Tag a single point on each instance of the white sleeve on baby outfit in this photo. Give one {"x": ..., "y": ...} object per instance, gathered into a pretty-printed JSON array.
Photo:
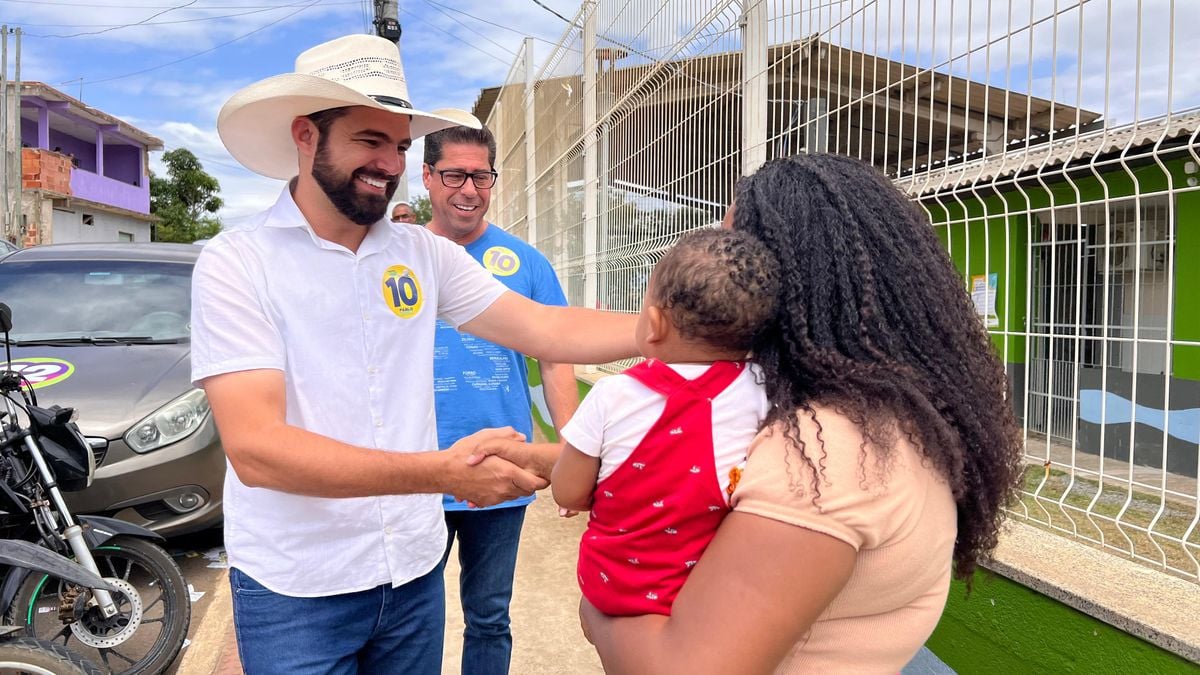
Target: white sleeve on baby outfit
[
  {"x": 615, "y": 416},
  {"x": 585, "y": 430}
]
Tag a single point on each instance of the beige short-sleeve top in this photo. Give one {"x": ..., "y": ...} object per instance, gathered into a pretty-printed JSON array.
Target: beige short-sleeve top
[{"x": 895, "y": 510}]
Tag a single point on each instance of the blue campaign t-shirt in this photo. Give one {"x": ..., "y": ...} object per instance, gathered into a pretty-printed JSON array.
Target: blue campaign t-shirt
[{"x": 478, "y": 384}]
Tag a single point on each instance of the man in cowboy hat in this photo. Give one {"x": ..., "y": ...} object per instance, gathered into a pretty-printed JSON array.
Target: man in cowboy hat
[{"x": 313, "y": 331}]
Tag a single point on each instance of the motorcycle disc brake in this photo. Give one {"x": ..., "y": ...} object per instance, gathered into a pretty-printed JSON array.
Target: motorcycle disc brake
[
  {"x": 96, "y": 631},
  {"x": 73, "y": 603}
]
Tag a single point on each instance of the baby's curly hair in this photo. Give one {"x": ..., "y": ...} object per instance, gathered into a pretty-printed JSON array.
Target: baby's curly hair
[{"x": 719, "y": 287}]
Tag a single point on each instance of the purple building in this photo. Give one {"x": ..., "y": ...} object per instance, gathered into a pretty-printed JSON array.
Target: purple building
[{"x": 85, "y": 174}]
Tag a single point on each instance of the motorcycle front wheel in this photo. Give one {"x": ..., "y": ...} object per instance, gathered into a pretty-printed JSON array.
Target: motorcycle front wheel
[
  {"x": 147, "y": 632},
  {"x": 38, "y": 657}
]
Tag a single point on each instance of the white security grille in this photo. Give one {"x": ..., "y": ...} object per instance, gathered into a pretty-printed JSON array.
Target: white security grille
[{"x": 1053, "y": 144}]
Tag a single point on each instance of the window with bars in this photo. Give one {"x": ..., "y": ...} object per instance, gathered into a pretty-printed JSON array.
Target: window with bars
[{"x": 1102, "y": 277}]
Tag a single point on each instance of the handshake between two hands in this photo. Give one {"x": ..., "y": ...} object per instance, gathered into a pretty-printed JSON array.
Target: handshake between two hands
[{"x": 493, "y": 466}]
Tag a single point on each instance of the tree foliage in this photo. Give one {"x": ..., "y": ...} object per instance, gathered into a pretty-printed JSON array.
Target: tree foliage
[
  {"x": 423, "y": 209},
  {"x": 186, "y": 199}
]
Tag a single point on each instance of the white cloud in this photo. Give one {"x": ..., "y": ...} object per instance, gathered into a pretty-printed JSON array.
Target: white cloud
[
  {"x": 447, "y": 57},
  {"x": 1069, "y": 41},
  {"x": 447, "y": 64},
  {"x": 243, "y": 191},
  {"x": 184, "y": 29},
  {"x": 180, "y": 104},
  {"x": 199, "y": 98},
  {"x": 37, "y": 62},
  {"x": 441, "y": 68},
  {"x": 416, "y": 154}
]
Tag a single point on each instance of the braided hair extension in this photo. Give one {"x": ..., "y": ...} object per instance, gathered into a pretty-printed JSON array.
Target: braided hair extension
[{"x": 875, "y": 323}]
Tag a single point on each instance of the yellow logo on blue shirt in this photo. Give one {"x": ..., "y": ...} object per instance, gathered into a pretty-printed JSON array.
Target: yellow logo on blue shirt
[
  {"x": 402, "y": 291},
  {"x": 501, "y": 261}
]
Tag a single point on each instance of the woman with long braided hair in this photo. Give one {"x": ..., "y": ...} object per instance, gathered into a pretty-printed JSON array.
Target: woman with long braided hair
[{"x": 885, "y": 462}]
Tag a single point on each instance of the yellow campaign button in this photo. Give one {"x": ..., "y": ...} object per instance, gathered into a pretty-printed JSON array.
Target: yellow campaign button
[
  {"x": 501, "y": 261},
  {"x": 402, "y": 291}
]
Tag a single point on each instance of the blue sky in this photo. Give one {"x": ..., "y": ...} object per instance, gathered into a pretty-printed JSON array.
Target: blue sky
[
  {"x": 170, "y": 73},
  {"x": 223, "y": 45}
]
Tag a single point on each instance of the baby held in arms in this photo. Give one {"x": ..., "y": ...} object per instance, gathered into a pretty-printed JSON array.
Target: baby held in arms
[{"x": 655, "y": 452}]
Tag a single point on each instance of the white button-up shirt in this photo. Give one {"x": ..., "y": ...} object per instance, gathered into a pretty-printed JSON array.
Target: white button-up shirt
[{"x": 353, "y": 333}]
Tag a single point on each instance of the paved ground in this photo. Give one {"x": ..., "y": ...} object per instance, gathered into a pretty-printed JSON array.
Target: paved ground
[
  {"x": 201, "y": 557},
  {"x": 546, "y": 633},
  {"x": 545, "y": 610}
]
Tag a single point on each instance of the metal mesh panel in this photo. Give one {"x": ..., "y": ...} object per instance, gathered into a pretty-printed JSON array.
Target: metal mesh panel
[
  {"x": 507, "y": 122},
  {"x": 1052, "y": 143}
]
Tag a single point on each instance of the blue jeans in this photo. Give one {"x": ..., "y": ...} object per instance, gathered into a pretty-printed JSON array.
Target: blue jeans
[
  {"x": 487, "y": 553},
  {"x": 381, "y": 630}
]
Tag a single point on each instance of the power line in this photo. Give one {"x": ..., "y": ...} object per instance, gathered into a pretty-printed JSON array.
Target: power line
[
  {"x": 111, "y": 26},
  {"x": 92, "y": 5},
  {"x": 224, "y": 164},
  {"x": 539, "y": 4},
  {"x": 490, "y": 23},
  {"x": 448, "y": 16},
  {"x": 200, "y": 53},
  {"x": 422, "y": 19},
  {"x": 152, "y": 16},
  {"x": 633, "y": 50}
]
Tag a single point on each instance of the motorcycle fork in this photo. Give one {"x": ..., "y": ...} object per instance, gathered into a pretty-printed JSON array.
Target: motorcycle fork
[{"x": 73, "y": 534}]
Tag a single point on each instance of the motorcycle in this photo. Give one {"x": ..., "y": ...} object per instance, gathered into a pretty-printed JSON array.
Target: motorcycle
[
  {"x": 135, "y": 624},
  {"x": 22, "y": 654}
]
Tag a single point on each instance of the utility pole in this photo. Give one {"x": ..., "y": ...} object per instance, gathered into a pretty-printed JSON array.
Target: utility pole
[
  {"x": 387, "y": 25},
  {"x": 4, "y": 147},
  {"x": 10, "y": 130},
  {"x": 755, "y": 81},
  {"x": 387, "y": 19}
]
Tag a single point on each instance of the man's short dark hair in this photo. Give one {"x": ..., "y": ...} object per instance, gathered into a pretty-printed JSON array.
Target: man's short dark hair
[
  {"x": 720, "y": 287},
  {"x": 462, "y": 135},
  {"x": 323, "y": 119}
]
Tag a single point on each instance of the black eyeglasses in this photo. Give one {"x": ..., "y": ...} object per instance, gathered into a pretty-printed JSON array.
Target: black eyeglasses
[{"x": 453, "y": 178}]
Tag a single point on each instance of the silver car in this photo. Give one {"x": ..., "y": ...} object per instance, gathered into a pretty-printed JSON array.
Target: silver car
[{"x": 105, "y": 328}]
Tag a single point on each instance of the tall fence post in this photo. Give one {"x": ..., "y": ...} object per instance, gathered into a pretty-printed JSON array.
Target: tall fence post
[
  {"x": 13, "y": 134},
  {"x": 5, "y": 150},
  {"x": 591, "y": 201},
  {"x": 531, "y": 172},
  {"x": 754, "y": 85}
]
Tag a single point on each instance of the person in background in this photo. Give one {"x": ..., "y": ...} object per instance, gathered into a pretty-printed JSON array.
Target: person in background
[
  {"x": 479, "y": 384},
  {"x": 403, "y": 212}
]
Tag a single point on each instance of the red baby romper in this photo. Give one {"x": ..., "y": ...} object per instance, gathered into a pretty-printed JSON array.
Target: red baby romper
[{"x": 653, "y": 517}]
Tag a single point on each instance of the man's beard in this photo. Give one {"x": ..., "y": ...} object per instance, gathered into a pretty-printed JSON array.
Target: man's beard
[{"x": 362, "y": 209}]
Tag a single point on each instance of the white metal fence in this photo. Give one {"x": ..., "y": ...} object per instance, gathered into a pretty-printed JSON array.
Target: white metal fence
[{"x": 1053, "y": 144}]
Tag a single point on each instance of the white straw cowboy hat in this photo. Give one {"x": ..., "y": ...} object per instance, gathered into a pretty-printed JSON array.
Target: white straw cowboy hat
[{"x": 255, "y": 123}]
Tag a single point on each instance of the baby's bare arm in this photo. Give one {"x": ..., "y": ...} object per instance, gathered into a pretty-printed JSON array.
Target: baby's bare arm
[{"x": 574, "y": 479}]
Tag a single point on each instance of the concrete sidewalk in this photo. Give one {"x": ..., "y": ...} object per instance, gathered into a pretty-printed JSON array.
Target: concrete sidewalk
[{"x": 545, "y": 620}]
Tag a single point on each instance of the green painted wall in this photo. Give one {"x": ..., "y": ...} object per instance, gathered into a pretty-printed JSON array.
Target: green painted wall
[
  {"x": 987, "y": 244},
  {"x": 1004, "y": 627},
  {"x": 966, "y": 226},
  {"x": 535, "y": 380},
  {"x": 1186, "y": 360}
]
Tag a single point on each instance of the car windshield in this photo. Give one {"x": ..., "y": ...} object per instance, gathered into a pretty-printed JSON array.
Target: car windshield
[{"x": 95, "y": 300}]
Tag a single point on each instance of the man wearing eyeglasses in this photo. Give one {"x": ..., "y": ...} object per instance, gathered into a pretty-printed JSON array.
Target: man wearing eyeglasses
[{"x": 479, "y": 384}]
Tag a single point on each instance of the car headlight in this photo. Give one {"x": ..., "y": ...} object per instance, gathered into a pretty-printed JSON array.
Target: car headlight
[{"x": 172, "y": 422}]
